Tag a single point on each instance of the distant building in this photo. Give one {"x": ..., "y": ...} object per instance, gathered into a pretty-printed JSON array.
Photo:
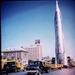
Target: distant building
[
  {"x": 47, "y": 58},
  {"x": 34, "y": 52},
  {"x": 18, "y": 54}
]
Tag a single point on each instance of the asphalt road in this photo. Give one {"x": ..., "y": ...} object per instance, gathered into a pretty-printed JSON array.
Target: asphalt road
[{"x": 70, "y": 71}]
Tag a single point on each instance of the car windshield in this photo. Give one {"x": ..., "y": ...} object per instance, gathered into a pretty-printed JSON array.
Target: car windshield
[{"x": 35, "y": 63}]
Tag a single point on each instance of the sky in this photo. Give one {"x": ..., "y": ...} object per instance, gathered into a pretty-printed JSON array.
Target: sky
[{"x": 22, "y": 22}]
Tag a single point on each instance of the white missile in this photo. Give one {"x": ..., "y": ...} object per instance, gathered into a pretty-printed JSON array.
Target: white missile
[{"x": 59, "y": 45}]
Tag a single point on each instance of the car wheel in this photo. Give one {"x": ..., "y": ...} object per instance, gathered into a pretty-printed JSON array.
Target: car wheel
[
  {"x": 47, "y": 70},
  {"x": 16, "y": 70},
  {"x": 7, "y": 69},
  {"x": 28, "y": 73},
  {"x": 23, "y": 70}
]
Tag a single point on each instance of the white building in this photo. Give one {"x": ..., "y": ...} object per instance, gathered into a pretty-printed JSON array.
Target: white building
[
  {"x": 18, "y": 54},
  {"x": 34, "y": 52}
]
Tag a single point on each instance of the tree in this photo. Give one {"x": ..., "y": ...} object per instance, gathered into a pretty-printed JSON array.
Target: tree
[
  {"x": 68, "y": 59},
  {"x": 53, "y": 60},
  {"x": 29, "y": 61}
]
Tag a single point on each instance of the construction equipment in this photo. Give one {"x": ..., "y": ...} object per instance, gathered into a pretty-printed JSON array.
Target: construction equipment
[
  {"x": 8, "y": 64},
  {"x": 71, "y": 63},
  {"x": 3, "y": 62},
  {"x": 52, "y": 66},
  {"x": 19, "y": 66},
  {"x": 11, "y": 65}
]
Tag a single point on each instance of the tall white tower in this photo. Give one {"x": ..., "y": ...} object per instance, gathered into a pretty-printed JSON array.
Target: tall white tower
[{"x": 59, "y": 45}]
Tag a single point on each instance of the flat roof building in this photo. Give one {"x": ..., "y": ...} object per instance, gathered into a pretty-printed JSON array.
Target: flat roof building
[
  {"x": 17, "y": 54},
  {"x": 34, "y": 52}
]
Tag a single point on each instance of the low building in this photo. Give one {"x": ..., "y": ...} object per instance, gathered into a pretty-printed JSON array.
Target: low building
[
  {"x": 47, "y": 58},
  {"x": 17, "y": 54}
]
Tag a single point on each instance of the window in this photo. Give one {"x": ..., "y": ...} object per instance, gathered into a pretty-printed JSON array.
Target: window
[
  {"x": 18, "y": 55},
  {"x": 23, "y": 61}
]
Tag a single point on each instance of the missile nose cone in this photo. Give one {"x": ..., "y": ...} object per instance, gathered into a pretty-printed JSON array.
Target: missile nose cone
[{"x": 57, "y": 8}]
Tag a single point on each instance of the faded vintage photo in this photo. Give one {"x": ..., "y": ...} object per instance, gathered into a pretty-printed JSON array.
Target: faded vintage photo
[{"x": 38, "y": 37}]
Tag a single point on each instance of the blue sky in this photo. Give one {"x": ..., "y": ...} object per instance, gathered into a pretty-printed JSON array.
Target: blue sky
[{"x": 24, "y": 21}]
